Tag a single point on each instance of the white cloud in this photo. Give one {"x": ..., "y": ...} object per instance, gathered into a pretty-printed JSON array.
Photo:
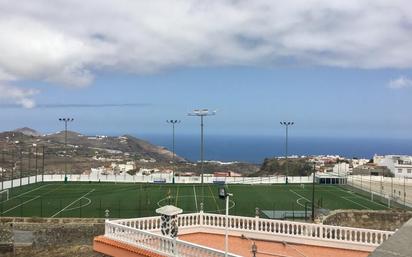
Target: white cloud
[
  {"x": 65, "y": 42},
  {"x": 21, "y": 96},
  {"x": 400, "y": 83}
]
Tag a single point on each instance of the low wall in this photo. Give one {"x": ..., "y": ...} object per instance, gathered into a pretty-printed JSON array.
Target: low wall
[
  {"x": 381, "y": 220},
  {"x": 154, "y": 178},
  {"x": 46, "y": 232}
]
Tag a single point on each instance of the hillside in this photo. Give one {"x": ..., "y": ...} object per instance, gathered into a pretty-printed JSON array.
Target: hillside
[
  {"x": 86, "y": 152},
  {"x": 277, "y": 166},
  {"x": 123, "y": 145},
  {"x": 19, "y": 149}
]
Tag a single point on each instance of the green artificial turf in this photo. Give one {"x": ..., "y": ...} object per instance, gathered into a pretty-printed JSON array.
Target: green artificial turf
[{"x": 137, "y": 200}]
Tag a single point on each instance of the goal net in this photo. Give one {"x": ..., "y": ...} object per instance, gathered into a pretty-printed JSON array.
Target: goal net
[
  {"x": 382, "y": 198},
  {"x": 4, "y": 195}
]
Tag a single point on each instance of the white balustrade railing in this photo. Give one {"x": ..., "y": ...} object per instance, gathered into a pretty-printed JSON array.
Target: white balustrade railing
[
  {"x": 299, "y": 229},
  {"x": 365, "y": 237},
  {"x": 162, "y": 245}
]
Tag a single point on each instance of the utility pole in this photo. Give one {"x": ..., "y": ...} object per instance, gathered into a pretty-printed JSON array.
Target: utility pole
[
  {"x": 173, "y": 122},
  {"x": 202, "y": 113},
  {"x": 287, "y": 124},
  {"x": 65, "y": 120}
]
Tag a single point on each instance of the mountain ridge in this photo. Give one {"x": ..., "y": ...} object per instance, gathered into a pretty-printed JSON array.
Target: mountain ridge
[{"x": 125, "y": 144}]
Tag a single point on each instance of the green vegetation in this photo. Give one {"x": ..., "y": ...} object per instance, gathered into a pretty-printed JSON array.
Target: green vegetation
[
  {"x": 136, "y": 200},
  {"x": 275, "y": 166}
]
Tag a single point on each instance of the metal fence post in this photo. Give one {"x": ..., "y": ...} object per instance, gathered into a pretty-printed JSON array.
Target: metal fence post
[
  {"x": 118, "y": 210},
  {"x": 100, "y": 207},
  {"x": 61, "y": 206},
  {"x": 21, "y": 207}
]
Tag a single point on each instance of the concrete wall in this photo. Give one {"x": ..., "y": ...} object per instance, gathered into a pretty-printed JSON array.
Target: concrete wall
[
  {"x": 381, "y": 220},
  {"x": 167, "y": 178}
]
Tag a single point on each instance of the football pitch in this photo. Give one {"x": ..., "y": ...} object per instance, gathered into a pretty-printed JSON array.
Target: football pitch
[{"x": 88, "y": 200}]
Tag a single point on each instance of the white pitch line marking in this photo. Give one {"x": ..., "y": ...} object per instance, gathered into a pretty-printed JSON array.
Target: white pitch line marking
[
  {"x": 194, "y": 191},
  {"x": 347, "y": 199},
  {"x": 25, "y": 193},
  {"x": 23, "y": 203},
  {"x": 301, "y": 196},
  {"x": 363, "y": 198},
  {"x": 82, "y": 206},
  {"x": 57, "y": 213}
]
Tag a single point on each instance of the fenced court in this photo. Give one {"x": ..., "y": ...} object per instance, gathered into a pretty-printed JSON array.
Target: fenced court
[
  {"x": 139, "y": 200},
  {"x": 389, "y": 190}
]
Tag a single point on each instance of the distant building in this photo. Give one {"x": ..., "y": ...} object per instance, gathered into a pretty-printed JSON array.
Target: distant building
[
  {"x": 341, "y": 168},
  {"x": 399, "y": 165},
  {"x": 145, "y": 171},
  {"x": 226, "y": 174},
  {"x": 358, "y": 162},
  {"x": 147, "y": 160},
  {"x": 371, "y": 169},
  {"x": 121, "y": 167},
  {"x": 186, "y": 174}
]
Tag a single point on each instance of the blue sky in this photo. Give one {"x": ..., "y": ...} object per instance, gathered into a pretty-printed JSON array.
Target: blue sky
[
  {"x": 322, "y": 101},
  {"x": 336, "y": 68}
]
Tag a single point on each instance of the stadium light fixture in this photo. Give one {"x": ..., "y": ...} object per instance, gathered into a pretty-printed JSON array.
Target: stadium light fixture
[
  {"x": 287, "y": 124},
  {"x": 65, "y": 120},
  {"x": 173, "y": 122},
  {"x": 202, "y": 113}
]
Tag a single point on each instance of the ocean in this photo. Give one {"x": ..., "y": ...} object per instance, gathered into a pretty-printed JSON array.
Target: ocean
[{"x": 255, "y": 149}]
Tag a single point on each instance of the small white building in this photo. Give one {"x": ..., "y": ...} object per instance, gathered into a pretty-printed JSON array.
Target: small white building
[
  {"x": 399, "y": 165},
  {"x": 126, "y": 167},
  {"x": 121, "y": 167},
  {"x": 341, "y": 168},
  {"x": 359, "y": 162}
]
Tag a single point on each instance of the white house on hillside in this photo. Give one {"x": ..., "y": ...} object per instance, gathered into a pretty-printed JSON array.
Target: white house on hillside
[{"x": 400, "y": 165}]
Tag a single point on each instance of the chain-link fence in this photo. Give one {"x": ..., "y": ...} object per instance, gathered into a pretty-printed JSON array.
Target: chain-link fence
[{"x": 390, "y": 191}]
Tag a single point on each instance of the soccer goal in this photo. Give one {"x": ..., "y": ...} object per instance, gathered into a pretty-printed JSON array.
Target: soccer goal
[
  {"x": 383, "y": 198},
  {"x": 4, "y": 195}
]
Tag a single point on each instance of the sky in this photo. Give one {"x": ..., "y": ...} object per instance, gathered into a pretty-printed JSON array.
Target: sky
[{"x": 336, "y": 68}]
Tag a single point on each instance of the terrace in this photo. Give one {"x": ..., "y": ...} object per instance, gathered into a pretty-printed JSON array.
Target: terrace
[{"x": 202, "y": 234}]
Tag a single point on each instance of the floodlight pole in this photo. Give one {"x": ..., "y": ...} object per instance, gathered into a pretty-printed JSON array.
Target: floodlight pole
[
  {"x": 42, "y": 164},
  {"x": 202, "y": 113},
  {"x": 173, "y": 122},
  {"x": 65, "y": 120},
  {"x": 36, "y": 164},
  {"x": 313, "y": 192},
  {"x": 2, "y": 169},
  {"x": 287, "y": 124},
  {"x": 14, "y": 165}
]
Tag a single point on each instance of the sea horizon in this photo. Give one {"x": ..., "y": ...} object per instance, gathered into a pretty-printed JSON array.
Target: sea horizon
[{"x": 255, "y": 148}]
